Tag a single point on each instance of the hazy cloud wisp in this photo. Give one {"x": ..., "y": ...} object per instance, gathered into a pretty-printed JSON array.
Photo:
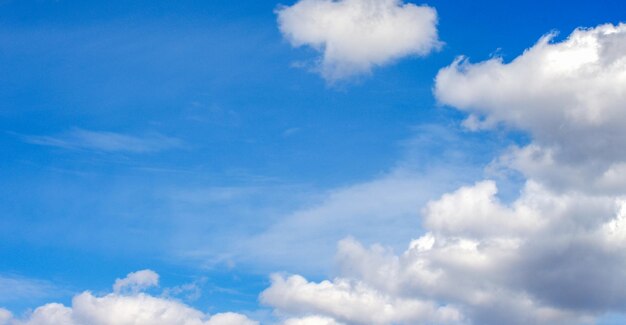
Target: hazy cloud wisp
[{"x": 105, "y": 141}]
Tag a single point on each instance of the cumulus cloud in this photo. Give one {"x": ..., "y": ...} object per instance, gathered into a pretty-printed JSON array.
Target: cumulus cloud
[
  {"x": 554, "y": 255},
  {"x": 540, "y": 267},
  {"x": 568, "y": 95},
  {"x": 129, "y": 308},
  {"x": 350, "y": 302},
  {"x": 356, "y": 35}
]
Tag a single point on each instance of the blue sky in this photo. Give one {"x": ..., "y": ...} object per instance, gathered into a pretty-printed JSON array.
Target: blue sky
[{"x": 191, "y": 138}]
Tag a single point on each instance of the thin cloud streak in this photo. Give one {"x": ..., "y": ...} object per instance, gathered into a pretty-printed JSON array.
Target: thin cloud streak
[{"x": 104, "y": 141}]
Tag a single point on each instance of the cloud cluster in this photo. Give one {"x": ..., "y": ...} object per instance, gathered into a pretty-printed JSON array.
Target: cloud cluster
[
  {"x": 568, "y": 95},
  {"x": 534, "y": 261},
  {"x": 554, "y": 255},
  {"x": 119, "y": 308},
  {"x": 356, "y": 35}
]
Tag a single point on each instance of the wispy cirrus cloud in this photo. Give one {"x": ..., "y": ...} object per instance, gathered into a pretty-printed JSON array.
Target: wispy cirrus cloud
[
  {"x": 106, "y": 141},
  {"x": 15, "y": 288}
]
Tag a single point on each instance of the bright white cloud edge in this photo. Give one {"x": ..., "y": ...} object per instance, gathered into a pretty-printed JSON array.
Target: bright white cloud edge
[
  {"x": 556, "y": 254},
  {"x": 127, "y": 305},
  {"x": 569, "y": 96},
  {"x": 353, "y": 36}
]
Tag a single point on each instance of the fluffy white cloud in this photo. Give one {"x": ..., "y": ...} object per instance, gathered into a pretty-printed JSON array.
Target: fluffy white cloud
[
  {"x": 356, "y": 35},
  {"x": 568, "y": 95},
  {"x": 118, "y": 308},
  {"x": 351, "y": 302},
  {"x": 556, "y": 254},
  {"x": 482, "y": 214},
  {"x": 542, "y": 267},
  {"x": 311, "y": 320}
]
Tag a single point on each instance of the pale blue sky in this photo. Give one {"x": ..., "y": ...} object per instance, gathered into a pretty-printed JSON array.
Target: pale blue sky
[{"x": 187, "y": 138}]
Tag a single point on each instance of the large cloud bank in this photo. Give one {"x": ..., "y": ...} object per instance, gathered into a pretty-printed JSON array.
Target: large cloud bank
[
  {"x": 568, "y": 95},
  {"x": 127, "y": 305},
  {"x": 554, "y": 255},
  {"x": 356, "y": 35}
]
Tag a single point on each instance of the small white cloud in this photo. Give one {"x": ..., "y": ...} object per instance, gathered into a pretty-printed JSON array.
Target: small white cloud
[
  {"x": 106, "y": 141},
  {"x": 136, "y": 281},
  {"x": 356, "y": 35},
  {"x": 133, "y": 308}
]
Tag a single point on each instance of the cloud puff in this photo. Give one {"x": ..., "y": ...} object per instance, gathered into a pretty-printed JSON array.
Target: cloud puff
[
  {"x": 134, "y": 308},
  {"x": 350, "y": 302},
  {"x": 136, "y": 281},
  {"x": 356, "y": 35},
  {"x": 568, "y": 95},
  {"x": 106, "y": 141}
]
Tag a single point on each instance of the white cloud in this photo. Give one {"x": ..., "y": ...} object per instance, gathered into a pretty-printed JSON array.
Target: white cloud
[
  {"x": 351, "y": 302},
  {"x": 356, "y": 35},
  {"x": 311, "y": 320},
  {"x": 482, "y": 213},
  {"x": 537, "y": 270},
  {"x": 129, "y": 308},
  {"x": 106, "y": 141},
  {"x": 136, "y": 281},
  {"x": 557, "y": 253},
  {"x": 568, "y": 95}
]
